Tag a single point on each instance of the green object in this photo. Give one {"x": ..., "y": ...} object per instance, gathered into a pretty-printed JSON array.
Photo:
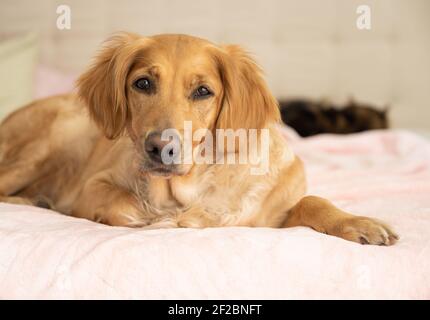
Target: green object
[{"x": 18, "y": 56}]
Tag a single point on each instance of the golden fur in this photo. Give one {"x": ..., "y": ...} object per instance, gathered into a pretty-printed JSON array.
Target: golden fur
[{"x": 52, "y": 153}]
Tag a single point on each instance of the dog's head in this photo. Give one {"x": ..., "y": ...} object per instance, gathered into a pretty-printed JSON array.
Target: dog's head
[{"x": 142, "y": 86}]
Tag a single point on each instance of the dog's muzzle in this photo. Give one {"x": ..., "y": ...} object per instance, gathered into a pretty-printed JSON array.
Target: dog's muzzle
[{"x": 163, "y": 153}]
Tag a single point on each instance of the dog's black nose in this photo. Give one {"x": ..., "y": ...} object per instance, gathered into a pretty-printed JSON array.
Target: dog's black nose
[{"x": 162, "y": 150}]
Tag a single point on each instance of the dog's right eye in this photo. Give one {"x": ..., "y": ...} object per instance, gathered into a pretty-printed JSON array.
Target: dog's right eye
[{"x": 143, "y": 84}]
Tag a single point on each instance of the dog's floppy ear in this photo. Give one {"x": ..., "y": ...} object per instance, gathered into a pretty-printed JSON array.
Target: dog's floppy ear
[
  {"x": 248, "y": 102},
  {"x": 103, "y": 86}
]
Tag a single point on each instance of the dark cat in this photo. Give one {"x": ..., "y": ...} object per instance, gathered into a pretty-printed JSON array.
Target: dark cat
[{"x": 309, "y": 117}]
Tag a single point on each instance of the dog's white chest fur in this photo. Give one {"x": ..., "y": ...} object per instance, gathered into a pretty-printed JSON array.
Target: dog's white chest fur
[
  {"x": 185, "y": 192},
  {"x": 226, "y": 198}
]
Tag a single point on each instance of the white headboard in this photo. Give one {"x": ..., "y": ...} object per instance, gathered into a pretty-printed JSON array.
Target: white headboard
[{"x": 308, "y": 48}]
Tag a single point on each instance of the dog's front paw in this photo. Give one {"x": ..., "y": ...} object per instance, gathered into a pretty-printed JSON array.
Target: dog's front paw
[{"x": 367, "y": 231}]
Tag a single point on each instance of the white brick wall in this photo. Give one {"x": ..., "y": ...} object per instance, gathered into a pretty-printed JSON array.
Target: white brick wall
[{"x": 307, "y": 47}]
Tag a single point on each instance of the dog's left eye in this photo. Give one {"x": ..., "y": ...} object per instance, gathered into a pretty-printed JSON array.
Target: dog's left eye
[
  {"x": 201, "y": 92},
  {"x": 143, "y": 84}
]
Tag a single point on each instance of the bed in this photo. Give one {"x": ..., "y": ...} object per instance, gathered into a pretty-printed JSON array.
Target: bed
[{"x": 382, "y": 174}]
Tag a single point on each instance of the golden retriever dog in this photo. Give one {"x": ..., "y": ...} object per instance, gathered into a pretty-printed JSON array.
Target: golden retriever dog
[{"x": 98, "y": 154}]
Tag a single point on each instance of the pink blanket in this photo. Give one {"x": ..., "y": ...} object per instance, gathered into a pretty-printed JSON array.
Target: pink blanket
[{"x": 380, "y": 174}]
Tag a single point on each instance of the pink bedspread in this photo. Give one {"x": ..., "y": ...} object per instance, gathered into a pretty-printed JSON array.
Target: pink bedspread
[{"x": 379, "y": 174}]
